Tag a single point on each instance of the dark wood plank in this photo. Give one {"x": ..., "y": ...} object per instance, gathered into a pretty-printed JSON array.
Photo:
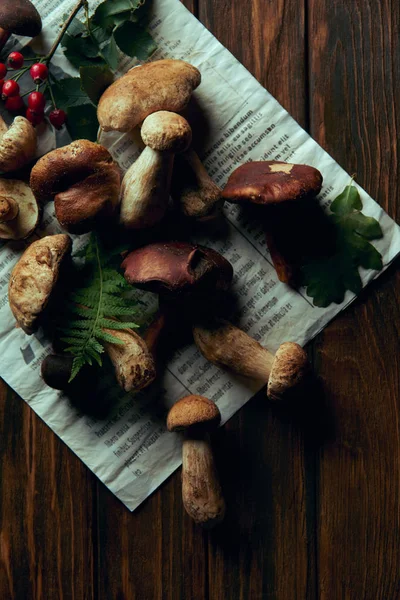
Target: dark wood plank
[
  {"x": 47, "y": 529},
  {"x": 354, "y": 107},
  {"x": 264, "y": 549}
]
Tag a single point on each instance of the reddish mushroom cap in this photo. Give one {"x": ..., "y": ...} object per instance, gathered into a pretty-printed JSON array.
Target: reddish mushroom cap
[
  {"x": 177, "y": 267},
  {"x": 20, "y": 17},
  {"x": 272, "y": 182}
]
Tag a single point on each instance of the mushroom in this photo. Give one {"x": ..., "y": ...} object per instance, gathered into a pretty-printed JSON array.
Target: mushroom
[
  {"x": 19, "y": 211},
  {"x": 17, "y": 144},
  {"x": 56, "y": 370},
  {"x": 201, "y": 490},
  {"x": 192, "y": 189},
  {"x": 157, "y": 86},
  {"x": 83, "y": 180},
  {"x": 19, "y": 17},
  {"x": 132, "y": 360},
  {"x": 225, "y": 345},
  {"x": 145, "y": 187},
  {"x": 279, "y": 188},
  {"x": 34, "y": 278}
]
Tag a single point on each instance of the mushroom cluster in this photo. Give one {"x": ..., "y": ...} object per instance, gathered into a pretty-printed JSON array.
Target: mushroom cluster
[{"x": 192, "y": 281}]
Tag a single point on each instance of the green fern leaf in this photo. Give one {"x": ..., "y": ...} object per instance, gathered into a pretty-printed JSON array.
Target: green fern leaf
[{"x": 92, "y": 305}]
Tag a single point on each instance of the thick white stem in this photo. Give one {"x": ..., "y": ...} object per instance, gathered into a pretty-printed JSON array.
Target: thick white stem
[
  {"x": 145, "y": 189},
  {"x": 201, "y": 490}
]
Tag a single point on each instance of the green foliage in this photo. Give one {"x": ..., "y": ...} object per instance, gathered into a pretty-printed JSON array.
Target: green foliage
[
  {"x": 95, "y": 303},
  {"x": 94, "y": 47},
  {"x": 327, "y": 278}
]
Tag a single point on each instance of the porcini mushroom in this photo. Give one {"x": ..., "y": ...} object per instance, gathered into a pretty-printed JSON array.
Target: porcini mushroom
[
  {"x": 83, "y": 181},
  {"x": 19, "y": 17},
  {"x": 225, "y": 345},
  {"x": 278, "y": 187},
  {"x": 19, "y": 211},
  {"x": 132, "y": 360},
  {"x": 156, "y": 86},
  {"x": 145, "y": 187},
  {"x": 17, "y": 144},
  {"x": 201, "y": 490},
  {"x": 34, "y": 278},
  {"x": 194, "y": 192}
]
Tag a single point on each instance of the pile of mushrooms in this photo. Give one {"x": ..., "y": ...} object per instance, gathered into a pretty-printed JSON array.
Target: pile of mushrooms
[{"x": 89, "y": 192}]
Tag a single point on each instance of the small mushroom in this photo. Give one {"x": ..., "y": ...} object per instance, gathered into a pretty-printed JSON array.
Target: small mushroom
[
  {"x": 156, "y": 86},
  {"x": 225, "y": 345},
  {"x": 56, "y": 370},
  {"x": 17, "y": 144},
  {"x": 279, "y": 188},
  {"x": 132, "y": 360},
  {"x": 19, "y": 17},
  {"x": 83, "y": 180},
  {"x": 201, "y": 490},
  {"x": 34, "y": 278},
  {"x": 145, "y": 187},
  {"x": 194, "y": 192},
  {"x": 19, "y": 211}
]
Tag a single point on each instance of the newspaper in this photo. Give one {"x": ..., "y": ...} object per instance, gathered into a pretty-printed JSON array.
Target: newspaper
[{"x": 130, "y": 450}]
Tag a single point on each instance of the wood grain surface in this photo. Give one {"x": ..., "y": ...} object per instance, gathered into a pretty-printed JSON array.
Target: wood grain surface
[{"x": 313, "y": 506}]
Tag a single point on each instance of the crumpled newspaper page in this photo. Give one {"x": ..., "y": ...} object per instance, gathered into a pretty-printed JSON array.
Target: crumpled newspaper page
[{"x": 130, "y": 450}]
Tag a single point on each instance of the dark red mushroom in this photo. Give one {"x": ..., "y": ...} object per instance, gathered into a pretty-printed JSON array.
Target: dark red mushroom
[
  {"x": 281, "y": 189},
  {"x": 19, "y": 17}
]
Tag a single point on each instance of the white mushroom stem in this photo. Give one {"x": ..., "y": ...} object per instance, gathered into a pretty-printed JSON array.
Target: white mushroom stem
[
  {"x": 201, "y": 490},
  {"x": 193, "y": 190},
  {"x": 9, "y": 209},
  {"x": 226, "y": 345},
  {"x": 145, "y": 189}
]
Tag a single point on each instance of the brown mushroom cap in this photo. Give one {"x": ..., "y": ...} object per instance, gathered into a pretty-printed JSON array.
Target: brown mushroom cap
[
  {"x": 84, "y": 182},
  {"x": 193, "y": 411},
  {"x": 272, "y": 182},
  {"x": 166, "y": 131},
  {"x": 19, "y": 211},
  {"x": 20, "y": 17},
  {"x": 289, "y": 370},
  {"x": 17, "y": 144},
  {"x": 34, "y": 277},
  {"x": 160, "y": 85},
  {"x": 177, "y": 267}
]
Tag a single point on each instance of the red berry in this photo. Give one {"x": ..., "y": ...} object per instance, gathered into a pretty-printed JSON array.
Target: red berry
[
  {"x": 15, "y": 60},
  {"x": 10, "y": 88},
  {"x": 57, "y": 118},
  {"x": 36, "y": 101},
  {"x": 39, "y": 72},
  {"x": 3, "y": 70},
  {"x": 34, "y": 117},
  {"x": 14, "y": 103}
]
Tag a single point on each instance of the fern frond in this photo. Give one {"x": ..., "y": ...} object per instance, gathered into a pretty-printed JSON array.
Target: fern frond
[{"x": 93, "y": 304}]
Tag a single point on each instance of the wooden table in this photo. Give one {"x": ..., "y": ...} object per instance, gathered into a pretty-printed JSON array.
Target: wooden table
[{"x": 306, "y": 519}]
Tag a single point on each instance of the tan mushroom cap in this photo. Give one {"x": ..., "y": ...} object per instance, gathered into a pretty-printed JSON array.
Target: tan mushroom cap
[
  {"x": 83, "y": 180},
  {"x": 34, "y": 277},
  {"x": 193, "y": 411},
  {"x": 19, "y": 211},
  {"x": 17, "y": 144},
  {"x": 272, "y": 182},
  {"x": 20, "y": 17},
  {"x": 289, "y": 370},
  {"x": 160, "y": 85},
  {"x": 166, "y": 131}
]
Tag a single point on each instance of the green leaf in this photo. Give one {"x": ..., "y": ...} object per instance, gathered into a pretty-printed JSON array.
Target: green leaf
[
  {"x": 134, "y": 41},
  {"x": 95, "y": 80},
  {"x": 110, "y": 53},
  {"x": 82, "y": 122},
  {"x": 107, "y": 12},
  {"x": 68, "y": 92},
  {"x": 81, "y": 51},
  {"x": 327, "y": 278}
]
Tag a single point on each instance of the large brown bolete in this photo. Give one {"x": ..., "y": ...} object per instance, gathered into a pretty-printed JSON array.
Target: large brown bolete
[
  {"x": 160, "y": 85},
  {"x": 201, "y": 490},
  {"x": 19, "y": 17},
  {"x": 83, "y": 181},
  {"x": 280, "y": 188}
]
